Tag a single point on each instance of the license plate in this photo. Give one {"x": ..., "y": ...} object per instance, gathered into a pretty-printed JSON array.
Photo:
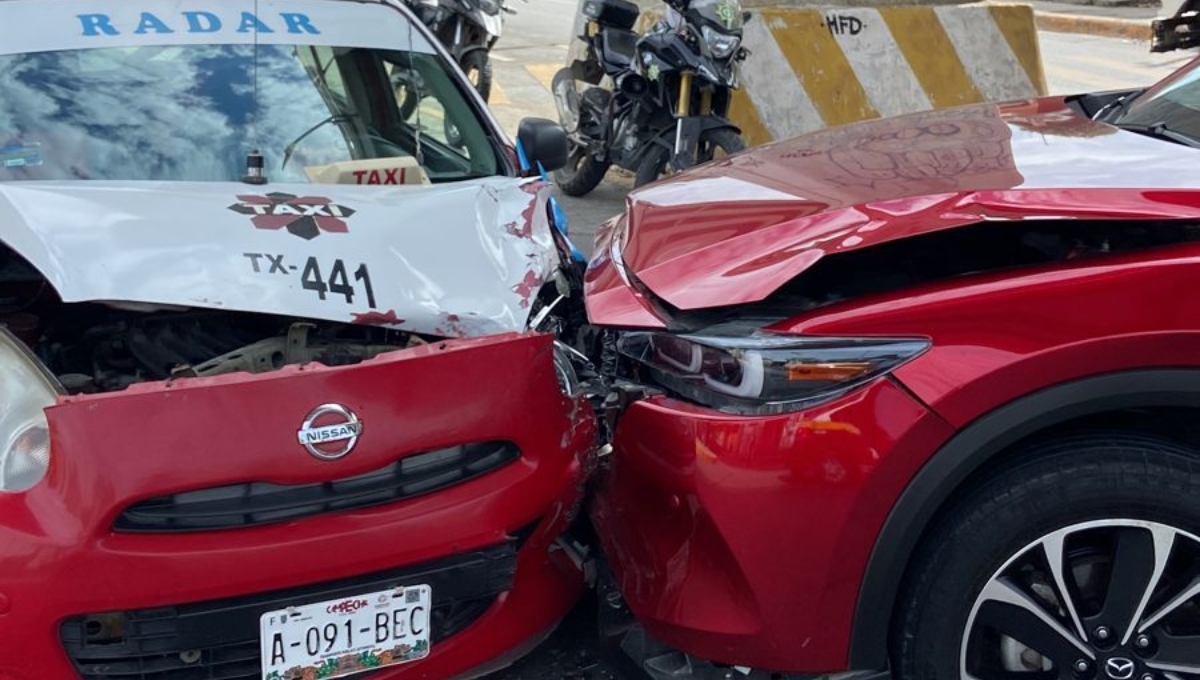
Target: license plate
[{"x": 350, "y": 635}]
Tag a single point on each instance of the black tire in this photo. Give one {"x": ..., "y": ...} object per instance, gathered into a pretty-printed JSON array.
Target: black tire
[
  {"x": 654, "y": 163},
  {"x": 453, "y": 136},
  {"x": 406, "y": 94},
  {"x": 583, "y": 171},
  {"x": 581, "y": 174},
  {"x": 976, "y": 576},
  {"x": 478, "y": 67}
]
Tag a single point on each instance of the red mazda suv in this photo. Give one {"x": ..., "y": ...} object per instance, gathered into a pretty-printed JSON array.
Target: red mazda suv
[
  {"x": 273, "y": 404},
  {"x": 919, "y": 396}
]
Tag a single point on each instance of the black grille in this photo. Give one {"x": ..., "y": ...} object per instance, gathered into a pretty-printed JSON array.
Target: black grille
[
  {"x": 258, "y": 503},
  {"x": 219, "y": 640}
]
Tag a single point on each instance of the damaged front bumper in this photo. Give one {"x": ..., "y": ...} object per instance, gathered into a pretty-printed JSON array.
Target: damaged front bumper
[
  {"x": 160, "y": 533},
  {"x": 733, "y": 539}
]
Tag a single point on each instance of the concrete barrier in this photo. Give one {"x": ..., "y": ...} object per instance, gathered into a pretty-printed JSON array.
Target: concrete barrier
[{"x": 813, "y": 68}]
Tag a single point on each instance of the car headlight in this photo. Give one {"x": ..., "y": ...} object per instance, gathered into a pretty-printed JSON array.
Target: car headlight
[
  {"x": 765, "y": 374},
  {"x": 26, "y": 389},
  {"x": 720, "y": 44}
]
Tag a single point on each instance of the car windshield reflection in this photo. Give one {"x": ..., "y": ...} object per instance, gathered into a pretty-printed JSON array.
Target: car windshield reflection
[{"x": 192, "y": 113}]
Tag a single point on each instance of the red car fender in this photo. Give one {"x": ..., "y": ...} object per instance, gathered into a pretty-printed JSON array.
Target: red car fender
[
  {"x": 1000, "y": 336},
  {"x": 1086, "y": 336}
]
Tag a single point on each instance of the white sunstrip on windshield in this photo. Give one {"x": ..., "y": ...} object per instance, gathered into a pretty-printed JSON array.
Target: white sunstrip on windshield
[{"x": 48, "y": 26}]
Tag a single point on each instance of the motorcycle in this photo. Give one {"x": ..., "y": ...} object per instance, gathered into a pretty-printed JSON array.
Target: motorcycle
[
  {"x": 469, "y": 30},
  {"x": 672, "y": 87}
]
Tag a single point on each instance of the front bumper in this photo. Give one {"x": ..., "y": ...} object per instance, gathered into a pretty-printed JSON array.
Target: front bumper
[
  {"x": 743, "y": 540},
  {"x": 64, "y": 561}
]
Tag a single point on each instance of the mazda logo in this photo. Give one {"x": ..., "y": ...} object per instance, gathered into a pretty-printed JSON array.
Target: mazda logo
[{"x": 1118, "y": 668}]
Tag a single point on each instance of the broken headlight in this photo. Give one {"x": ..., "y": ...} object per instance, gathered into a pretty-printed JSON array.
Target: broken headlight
[
  {"x": 25, "y": 391},
  {"x": 764, "y": 374}
]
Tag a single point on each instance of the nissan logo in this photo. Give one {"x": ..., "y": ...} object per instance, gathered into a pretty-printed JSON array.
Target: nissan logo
[
  {"x": 1118, "y": 668},
  {"x": 330, "y": 432}
]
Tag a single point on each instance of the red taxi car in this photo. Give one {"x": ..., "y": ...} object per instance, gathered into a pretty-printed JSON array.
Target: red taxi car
[{"x": 271, "y": 401}]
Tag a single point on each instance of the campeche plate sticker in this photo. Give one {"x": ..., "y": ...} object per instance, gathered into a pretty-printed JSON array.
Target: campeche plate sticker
[{"x": 336, "y": 638}]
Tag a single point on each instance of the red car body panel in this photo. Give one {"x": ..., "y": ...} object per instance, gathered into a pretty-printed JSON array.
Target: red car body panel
[
  {"x": 1062, "y": 323},
  {"x": 609, "y": 291},
  {"x": 115, "y": 449},
  {"x": 739, "y": 539},
  {"x": 746, "y": 539},
  {"x": 734, "y": 231}
]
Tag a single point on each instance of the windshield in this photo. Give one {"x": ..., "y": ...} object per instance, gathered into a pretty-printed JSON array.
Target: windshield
[
  {"x": 192, "y": 112},
  {"x": 1174, "y": 104},
  {"x": 723, "y": 15}
]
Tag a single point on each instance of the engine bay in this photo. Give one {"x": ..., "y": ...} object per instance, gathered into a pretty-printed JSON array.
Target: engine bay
[{"x": 97, "y": 347}]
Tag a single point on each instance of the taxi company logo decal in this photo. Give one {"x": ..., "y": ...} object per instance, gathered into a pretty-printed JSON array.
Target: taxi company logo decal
[
  {"x": 346, "y": 607},
  {"x": 304, "y": 216}
]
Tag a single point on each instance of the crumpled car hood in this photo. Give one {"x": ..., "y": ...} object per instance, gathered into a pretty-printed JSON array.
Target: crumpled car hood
[
  {"x": 734, "y": 231},
  {"x": 451, "y": 260}
]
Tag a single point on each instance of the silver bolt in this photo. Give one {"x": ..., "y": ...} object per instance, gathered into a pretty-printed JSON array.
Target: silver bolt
[
  {"x": 1103, "y": 633},
  {"x": 1148, "y": 676},
  {"x": 1142, "y": 641},
  {"x": 1082, "y": 666}
]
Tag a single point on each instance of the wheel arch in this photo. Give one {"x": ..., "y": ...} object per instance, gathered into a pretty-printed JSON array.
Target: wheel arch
[
  {"x": 967, "y": 454},
  {"x": 472, "y": 49}
]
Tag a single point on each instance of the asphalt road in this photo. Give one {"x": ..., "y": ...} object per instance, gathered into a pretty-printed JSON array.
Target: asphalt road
[{"x": 534, "y": 47}]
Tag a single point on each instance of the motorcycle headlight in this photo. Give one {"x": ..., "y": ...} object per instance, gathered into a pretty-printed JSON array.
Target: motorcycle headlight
[
  {"x": 491, "y": 7},
  {"x": 26, "y": 389},
  {"x": 720, "y": 44},
  {"x": 765, "y": 374}
]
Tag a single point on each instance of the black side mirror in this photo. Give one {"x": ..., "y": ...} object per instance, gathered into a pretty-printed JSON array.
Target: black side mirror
[
  {"x": 543, "y": 141},
  {"x": 746, "y": 15}
]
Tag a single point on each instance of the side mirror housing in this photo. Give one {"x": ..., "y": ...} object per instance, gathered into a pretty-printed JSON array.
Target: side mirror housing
[
  {"x": 746, "y": 16},
  {"x": 543, "y": 141}
]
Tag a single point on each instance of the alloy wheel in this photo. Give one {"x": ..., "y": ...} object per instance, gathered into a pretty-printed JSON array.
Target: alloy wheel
[{"x": 1104, "y": 600}]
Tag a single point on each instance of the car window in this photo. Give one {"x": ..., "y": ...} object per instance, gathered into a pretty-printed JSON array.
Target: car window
[
  {"x": 1174, "y": 103},
  {"x": 192, "y": 113}
]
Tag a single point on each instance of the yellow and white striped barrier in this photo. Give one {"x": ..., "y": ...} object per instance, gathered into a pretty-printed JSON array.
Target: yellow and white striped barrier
[{"x": 813, "y": 68}]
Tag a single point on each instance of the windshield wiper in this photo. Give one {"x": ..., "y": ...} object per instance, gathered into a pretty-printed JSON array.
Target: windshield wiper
[
  {"x": 1161, "y": 131},
  {"x": 338, "y": 118}
]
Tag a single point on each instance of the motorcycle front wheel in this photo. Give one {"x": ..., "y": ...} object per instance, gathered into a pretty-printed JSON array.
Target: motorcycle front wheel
[
  {"x": 478, "y": 67},
  {"x": 714, "y": 144},
  {"x": 582, "y": 173},
  {"x": 407, "y": 95}
]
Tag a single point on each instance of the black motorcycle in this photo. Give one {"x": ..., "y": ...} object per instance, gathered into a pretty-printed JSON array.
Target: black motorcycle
[
  {"x": 668, "y": 107},
  {"x": 469, "y": 30}
]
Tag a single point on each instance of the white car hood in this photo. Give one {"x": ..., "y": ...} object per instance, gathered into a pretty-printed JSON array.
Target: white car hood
[{"x": 451, "y": 260}]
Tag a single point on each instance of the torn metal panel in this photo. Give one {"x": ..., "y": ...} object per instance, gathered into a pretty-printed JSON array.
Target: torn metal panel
[
  {"x": 428, "y": 259},
  {"x": 770, "y": 215}
]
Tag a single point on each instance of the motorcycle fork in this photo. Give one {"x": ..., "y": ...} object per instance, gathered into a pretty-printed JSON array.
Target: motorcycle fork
[{"x": 687, "y": 127}]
